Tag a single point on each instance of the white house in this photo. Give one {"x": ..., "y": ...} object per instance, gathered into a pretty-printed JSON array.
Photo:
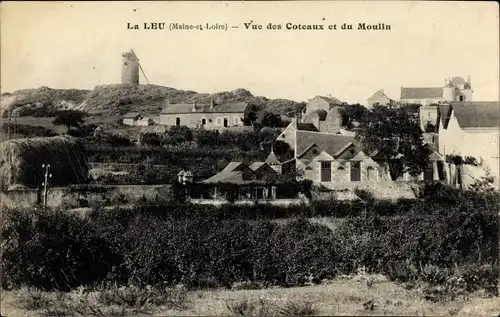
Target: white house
[{"x": 471, "y": 129}]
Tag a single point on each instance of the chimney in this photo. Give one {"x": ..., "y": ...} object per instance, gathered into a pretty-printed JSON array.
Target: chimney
[
  {"x": 194, "y": 106},
  {"x": 211, "y": 103}
]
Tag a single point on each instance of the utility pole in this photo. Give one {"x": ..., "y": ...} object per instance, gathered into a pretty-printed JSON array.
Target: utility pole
[{"x": 45, "y": 184}]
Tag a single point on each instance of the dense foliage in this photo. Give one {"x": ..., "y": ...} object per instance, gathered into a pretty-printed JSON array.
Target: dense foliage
[
  {"x": 434, "y": 240},
  {"x": 27, "y": 130},
  {"x": 396, "y": 134}
]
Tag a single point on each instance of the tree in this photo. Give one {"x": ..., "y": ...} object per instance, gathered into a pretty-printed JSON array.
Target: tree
[
  {"x": 269, "y": 119},
  {"x": 396, "y": 134},
  {"x": 69, "y": 118},
  {"x": 354, "y": 112}
]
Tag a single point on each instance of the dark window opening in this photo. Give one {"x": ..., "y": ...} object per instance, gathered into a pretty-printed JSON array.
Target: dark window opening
[
  {"x": 203, "y": 121},
  {"x": 326, "y": 171},
  {"x": 355, "y": 171},
  {"x": 177, "y": 121},
  {"x": 225, "y": 123}
]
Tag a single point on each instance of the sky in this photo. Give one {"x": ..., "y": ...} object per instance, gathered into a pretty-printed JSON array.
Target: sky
[{"x": 79, "y": 45}]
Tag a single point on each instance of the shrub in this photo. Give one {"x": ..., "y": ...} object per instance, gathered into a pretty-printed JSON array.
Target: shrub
[{"x": 52, "y": 250}]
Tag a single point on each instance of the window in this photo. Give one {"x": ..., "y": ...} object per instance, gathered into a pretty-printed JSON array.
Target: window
[
  {"x": 355, "y": 171},
  {"x": 236, "y": 120},
  {"x": 177, "y": 121},
  {"x": 226, "y": 119},
  {"x": 203, "y": 121},
  {"x": 326, "y": 171},
  {"x": 462, "y": 98}
]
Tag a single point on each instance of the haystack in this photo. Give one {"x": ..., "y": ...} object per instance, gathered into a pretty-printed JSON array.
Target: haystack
[{"x": 21, "y": 162}]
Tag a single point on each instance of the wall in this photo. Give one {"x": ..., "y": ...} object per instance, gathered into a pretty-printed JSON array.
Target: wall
[
  {"x": 333, "y": 121},
  {"x": 316, "y": 104},
  {"x": 194, "y": 119},
  {"x": 111, "y": 195},
  {"x": 288, "y": 135},
  {"x": 428, "y": 113},
  {"x": 379, "y": 98},
  {"x": 130, "y": 71},
  {"x": 129, "y": 122}
]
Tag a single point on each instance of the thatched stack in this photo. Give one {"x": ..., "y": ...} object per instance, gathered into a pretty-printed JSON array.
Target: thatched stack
[{"x": 21, "y": 162}]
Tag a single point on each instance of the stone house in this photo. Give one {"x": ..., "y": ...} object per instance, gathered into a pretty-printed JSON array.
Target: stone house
[
  {"x": 471, "y": 129},
  {"x": 208, "y": 116},
  {"x": 325, "y": 113},
  {"x": 379, "y": 98},
  {"x": 336, "y": 161},
  {"x": 455, "y": 89}
]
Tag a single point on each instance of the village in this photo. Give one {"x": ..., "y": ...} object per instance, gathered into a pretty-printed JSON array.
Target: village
[
  {"x": 176, "y": 176},
  {"x": 321, "y": 142}
]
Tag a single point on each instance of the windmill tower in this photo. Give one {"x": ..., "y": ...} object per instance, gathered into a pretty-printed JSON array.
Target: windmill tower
[{"x": 130, "y": 68}]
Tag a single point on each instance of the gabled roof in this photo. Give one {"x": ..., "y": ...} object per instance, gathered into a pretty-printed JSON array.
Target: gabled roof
[
  {"x": 183, "y": 108},
  {"x": 306, "y": 127},
  {"x": 421, "y": 92},
  {"x": 379, "y": 93},
  {"x": 256, "y": 165},
  {"x": 328, "y": 142},
  {"x": 234, "y": 166},
  {"x": 444, "y": 112},
  {"x": 272, "y": 159},
  {"x": 131, "y": 115},
  {"x": 483, "y": 114}
]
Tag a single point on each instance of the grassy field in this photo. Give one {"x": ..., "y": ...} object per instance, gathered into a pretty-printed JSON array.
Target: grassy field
[{"x": 343, "y": 296}]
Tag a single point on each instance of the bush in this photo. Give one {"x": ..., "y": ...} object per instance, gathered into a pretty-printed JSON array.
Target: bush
[{"x": 52, "y": 250}]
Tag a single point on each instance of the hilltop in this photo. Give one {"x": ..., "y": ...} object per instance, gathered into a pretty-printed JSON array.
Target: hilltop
[{"x": 121, "y": 98}]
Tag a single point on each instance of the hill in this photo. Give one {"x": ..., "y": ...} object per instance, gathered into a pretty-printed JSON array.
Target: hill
[
  {"x": 40, "y": 102},
  {"x": 121, "y": 98}
]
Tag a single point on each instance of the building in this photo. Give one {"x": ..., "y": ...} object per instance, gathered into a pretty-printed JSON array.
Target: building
[
  {"x": 455, "y": 89},
  {"x": 379, "y": 98},
  {"x": 288, "y": 135},
  {"x": 257, "y": 181},
  {"x": 136, "y": 119},
  {"x": 333, "y": 159},
  {"x": 130, "y": 68},
  {"x": 471, "y": 129},
  {"x": 325, "y": 113},
  {"x": 209, "y": 116}
]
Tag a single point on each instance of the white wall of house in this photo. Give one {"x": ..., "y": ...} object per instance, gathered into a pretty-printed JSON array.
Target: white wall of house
[{"x": 480, "y": 143}]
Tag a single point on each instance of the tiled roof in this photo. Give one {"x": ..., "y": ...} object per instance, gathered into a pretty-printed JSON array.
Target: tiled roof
[
  {"x": 330, "y": 143},
  {"x": 256, "y": 165},
  {"x": 306, "y": 127},
  {"x": 131, "y": 115},
  {"x": 181, "y": 108},
  {"x": 332, "y": 101},
  {"x": 444, "y": 111},
  {"x": 477, "y": 114},
  {"x": 421, "y": 92},
  {"x": 272, "y": 159},
  {"x": 379, "y": 93}
]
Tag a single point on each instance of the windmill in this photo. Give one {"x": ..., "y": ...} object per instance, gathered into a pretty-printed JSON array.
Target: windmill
[{"x": 131, "y": 67}]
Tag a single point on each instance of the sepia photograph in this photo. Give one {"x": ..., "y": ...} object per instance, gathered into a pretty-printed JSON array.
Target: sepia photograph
[{"x": 249, "y": 158}]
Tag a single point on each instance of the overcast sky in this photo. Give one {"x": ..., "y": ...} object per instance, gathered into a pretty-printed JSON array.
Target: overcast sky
[{"x": 79, "y": 45}]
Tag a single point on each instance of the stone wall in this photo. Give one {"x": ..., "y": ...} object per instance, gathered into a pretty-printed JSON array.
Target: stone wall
[{"x": 73, "y": 197}]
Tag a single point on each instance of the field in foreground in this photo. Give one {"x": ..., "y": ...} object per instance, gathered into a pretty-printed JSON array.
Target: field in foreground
[{"x": 343, "y": 296}]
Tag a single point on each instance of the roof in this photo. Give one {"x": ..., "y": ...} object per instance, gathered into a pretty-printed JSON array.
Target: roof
[
  {"x": 421, "y": 92},
  {"x": 306, "y": 127},
  {"x": 272, "y": 159},
  {"x": 234, "y": 107},
  {"x": 256, "y": 165},
  {"x": 328, "y": 142},
  {"x": 444, "y": 114},
  {"x": 332, "y": 101},
  {"x": 131, "y": 115},
  {"x": 483, "y": 114},
  {"x": 379, "y": 93}
]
